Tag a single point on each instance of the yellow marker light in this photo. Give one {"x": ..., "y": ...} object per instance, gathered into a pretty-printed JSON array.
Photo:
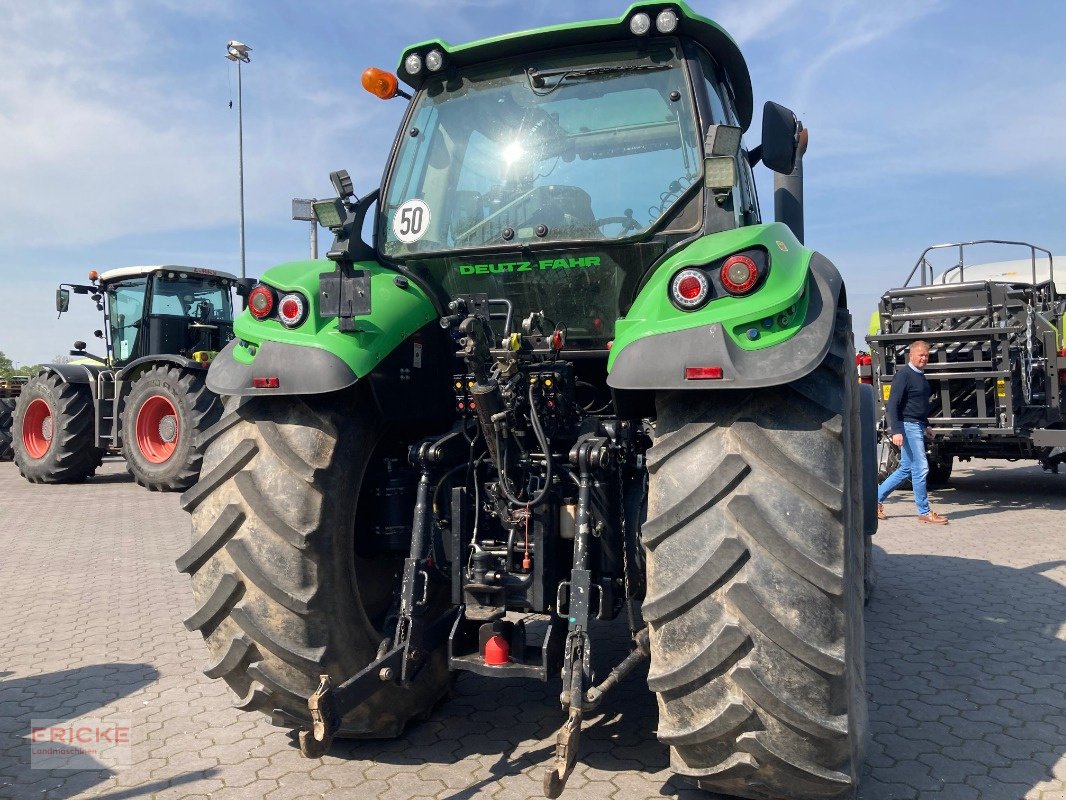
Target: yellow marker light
[
  {"x": 547, "y": 381},
  {"x": 885, "y": 390},
  {"x": 380, "y": 83},
  {"x": 1001, "y": 387}
]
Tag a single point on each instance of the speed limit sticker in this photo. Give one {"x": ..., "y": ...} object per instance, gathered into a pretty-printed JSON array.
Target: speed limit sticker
[{"x": 411, "y": 221}]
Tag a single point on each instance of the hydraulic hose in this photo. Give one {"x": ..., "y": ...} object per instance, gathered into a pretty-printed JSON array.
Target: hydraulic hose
[{"x": 545, "y": 447}]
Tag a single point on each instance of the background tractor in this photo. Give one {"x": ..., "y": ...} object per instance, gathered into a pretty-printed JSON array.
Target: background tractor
[
  {"x": 996, "y": 362},
  {"x": 147, "y": 396},
  {"x": 575, "y": 377},
  {"x": 9, "y": 390}
]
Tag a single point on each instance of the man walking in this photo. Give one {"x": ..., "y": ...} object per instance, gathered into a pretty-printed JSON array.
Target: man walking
[{"x": 908, "y": 418}]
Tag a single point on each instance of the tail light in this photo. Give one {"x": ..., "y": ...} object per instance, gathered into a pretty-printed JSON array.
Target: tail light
[
  {"x": 689, "y": 289},
  {"x": 292, "y": 309},
  {"x": 739, "y": 274},
  {"x": 261, "y": 301}
]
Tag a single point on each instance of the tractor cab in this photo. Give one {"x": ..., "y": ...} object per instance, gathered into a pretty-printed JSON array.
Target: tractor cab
[
  {"x": 156, "y": 310},
  {"x": 558, "y": 171}
]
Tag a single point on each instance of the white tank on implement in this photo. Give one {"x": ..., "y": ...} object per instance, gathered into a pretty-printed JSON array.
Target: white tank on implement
[{"x": 1017, "y": 271}]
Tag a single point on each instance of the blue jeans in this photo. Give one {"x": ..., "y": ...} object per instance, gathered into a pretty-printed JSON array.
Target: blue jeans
[{"x": 912, "y": 464}]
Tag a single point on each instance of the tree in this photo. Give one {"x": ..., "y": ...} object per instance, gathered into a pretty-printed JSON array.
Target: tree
[{"x": 7, "y": 369}]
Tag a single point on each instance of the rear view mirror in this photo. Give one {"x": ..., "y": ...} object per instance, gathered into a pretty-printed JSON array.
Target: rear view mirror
[
  {"x": 62, "y": 300},
  {"x": 780, "y": 138}
]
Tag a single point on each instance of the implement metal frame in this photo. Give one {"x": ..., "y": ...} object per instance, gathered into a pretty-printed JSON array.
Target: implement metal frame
[{"x": 994, "y": 360}]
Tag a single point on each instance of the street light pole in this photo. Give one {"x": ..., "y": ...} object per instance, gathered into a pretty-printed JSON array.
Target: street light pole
[
  {"x": 302, "y": 210},
  {"x": 237, "y": 51}
]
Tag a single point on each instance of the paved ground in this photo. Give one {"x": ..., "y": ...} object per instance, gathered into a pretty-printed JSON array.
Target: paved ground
[{"x": 966, "y": 666}]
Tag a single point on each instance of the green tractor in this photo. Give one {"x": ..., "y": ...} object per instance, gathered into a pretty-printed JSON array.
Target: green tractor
[
  {"x": 147, "y": 397},
  {"x": 574, "y": 377}
]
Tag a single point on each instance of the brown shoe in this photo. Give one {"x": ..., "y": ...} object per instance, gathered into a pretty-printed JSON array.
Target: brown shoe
[
  {"x": 933, "y": 518},
  {"x": 881, "y": 511}
]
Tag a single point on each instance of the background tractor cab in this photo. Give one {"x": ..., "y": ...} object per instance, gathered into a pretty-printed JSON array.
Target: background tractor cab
[
  {"x": 146, "y": 395},
  {"x": 181, "y": 311}
]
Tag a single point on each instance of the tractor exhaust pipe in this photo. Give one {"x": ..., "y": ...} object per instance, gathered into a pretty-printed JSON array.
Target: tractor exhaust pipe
[{"x": 788, "y": 192}]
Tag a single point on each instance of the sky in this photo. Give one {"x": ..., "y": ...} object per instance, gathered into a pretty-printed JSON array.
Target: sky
[{"x": 930, "y": 121}]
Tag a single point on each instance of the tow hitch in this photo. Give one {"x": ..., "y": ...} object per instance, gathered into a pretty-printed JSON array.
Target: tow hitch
[
  {"x": 569, "y": 738},
  {"x": 328, "y": 705}
]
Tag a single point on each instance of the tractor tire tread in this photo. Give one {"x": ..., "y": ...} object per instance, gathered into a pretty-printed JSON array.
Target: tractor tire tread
[
  {"x": 201, "y": 408},
  {"x": 73, "y": 456},
  {"x": 272, "y": 509},
  {"x": 756, "y": 654}
]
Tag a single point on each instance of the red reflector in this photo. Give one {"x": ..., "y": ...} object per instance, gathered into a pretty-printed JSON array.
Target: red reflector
[
  {"x": 689, "y": 287},
  {"x": 497, "y": 651},
  {"x": 290, "y": 309},
  {"x": 266, "y": 383},
  {"x": 703, "y": 373}
]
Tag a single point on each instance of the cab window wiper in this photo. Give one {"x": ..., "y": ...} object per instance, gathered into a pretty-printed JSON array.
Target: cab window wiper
[{"x": 538, "y": 78}]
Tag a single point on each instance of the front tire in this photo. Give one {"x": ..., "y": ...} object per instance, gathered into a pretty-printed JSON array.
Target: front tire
[
  {"x": 162, "y": 419},
  {"x": 281, "y": 594},
  {"x": 53, "y": 432},
  {"x": 755, "y": 584}
]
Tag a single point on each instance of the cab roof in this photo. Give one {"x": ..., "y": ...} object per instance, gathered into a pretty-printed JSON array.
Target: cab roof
[
  {"x": 136, "y": 272},
  {"x": 690, "y": 25}
]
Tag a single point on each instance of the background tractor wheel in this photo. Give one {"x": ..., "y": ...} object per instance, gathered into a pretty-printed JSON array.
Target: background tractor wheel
[
  {"x": 162, "y": 419},
  {"x": 7, "y": 407},
  {"x": 755, "y": 584},
  {"x": 282, "y": 595},
  {"x": 940, "y": 472},
  {"x": 52, "y": 432},
  {"x": 888, "y": 461}
]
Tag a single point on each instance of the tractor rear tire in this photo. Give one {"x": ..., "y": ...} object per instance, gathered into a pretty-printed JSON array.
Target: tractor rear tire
[
  {"x": 163, "y": 416},
  {"x": 7, "y": 408},
  {"x": 281, "y": 594},
  {"x": 53, "y": 433},
  {"x": 755, "y": 584}
]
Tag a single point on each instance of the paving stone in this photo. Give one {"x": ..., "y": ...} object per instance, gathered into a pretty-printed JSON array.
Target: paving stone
[{"x": 964, "y": 664}]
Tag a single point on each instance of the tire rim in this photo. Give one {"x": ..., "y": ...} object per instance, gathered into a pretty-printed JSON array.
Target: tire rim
[
  {"x": 37, "y": 429},
  {"x": 157, "y": 429}
]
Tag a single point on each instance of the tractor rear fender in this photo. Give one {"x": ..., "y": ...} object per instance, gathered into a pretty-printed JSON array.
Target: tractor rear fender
[
  {"x": 316, "y": 356},
  {"x": 775, "y": 335},
  {"x": 74, "y": 373}
]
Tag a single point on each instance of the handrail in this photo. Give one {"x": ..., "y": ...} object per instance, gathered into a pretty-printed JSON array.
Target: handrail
[{"x": 927, "y": 268}]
